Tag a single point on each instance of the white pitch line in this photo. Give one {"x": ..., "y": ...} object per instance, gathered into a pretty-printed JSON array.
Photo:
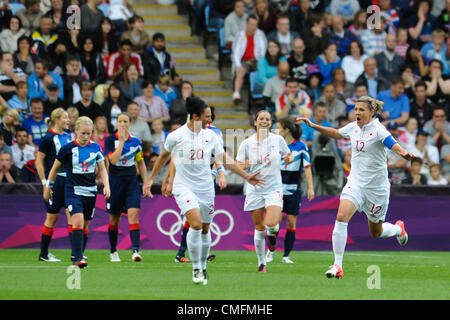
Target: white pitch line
[{"x": 371, "y": 254}]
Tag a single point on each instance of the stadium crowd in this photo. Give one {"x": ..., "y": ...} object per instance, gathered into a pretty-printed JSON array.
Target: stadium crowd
[{"x": 311, "y": 58}]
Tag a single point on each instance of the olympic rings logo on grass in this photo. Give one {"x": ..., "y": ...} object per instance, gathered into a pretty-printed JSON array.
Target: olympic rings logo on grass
[{"x": 176, "y": 227}]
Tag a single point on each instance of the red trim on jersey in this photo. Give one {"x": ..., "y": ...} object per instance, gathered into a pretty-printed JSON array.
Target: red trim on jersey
[
  {"x": 135, "y": 226},
  {"x": 53, "y": 131},
  {"x": 79, "y": 145},
  {"x": 117, "y": 136}
]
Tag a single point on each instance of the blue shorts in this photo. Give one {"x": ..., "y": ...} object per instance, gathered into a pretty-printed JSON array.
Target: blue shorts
[
  {"x": 291, "y": 203},
  {"x": 80, "y": 204},
  {"x": 57, "y": 202},
  {"x": 125, "y": 194}
]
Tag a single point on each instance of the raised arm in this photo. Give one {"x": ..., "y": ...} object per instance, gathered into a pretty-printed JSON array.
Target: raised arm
[
  {"x": 402, "y": 152},
  {"x": 330, "y": 132},
  {"x": 232, "y": 165}
]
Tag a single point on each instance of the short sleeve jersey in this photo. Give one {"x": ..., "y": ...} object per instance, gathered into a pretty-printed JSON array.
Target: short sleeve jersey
[
  {"x": 264, "y": 157},
  {"x": 369, "y": 154},
  {"x": 50, "y": 146},
  {"x": 291, "y": 174},
  {"x": 79, "y": 163},
  {"x": 192, "y": 153},
  {"x": 131, "y": 153}
]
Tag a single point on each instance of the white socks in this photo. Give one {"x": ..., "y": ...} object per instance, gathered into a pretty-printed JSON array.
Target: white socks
[
  {"x": 260, "y": 246},
  {"x": 194, "y": 244},
  {"x": 390, "y": 230},
  {"x": 206, "y": 245},
  {"x": 272, "y": 231},
  {"x": 339, "y": 241}
]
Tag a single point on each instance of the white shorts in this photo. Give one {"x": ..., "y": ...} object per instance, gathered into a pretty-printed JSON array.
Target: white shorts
[
  {"x": 373, "y": 202},
  {"x": 188, "y": 200},
  {"x": 255, "y": 201}
]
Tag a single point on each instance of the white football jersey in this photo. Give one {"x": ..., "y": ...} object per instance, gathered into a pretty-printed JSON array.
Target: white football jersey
[
  {"x": 192, "y": 157},
  {"x": 369, "y": 154},
  {"x": 265, "y": 158}
]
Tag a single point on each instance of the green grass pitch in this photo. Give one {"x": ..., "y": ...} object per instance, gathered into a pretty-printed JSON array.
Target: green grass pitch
[{"x": 232, "y": 276}]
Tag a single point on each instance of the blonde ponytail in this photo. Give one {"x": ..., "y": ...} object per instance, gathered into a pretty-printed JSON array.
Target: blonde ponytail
[
  {"x": 56, "y": 114},
  {"x": 373, "y": 103}
]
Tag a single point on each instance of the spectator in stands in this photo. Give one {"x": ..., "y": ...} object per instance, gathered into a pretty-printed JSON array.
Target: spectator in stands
[
  {"x": 35, "y": 124},
  {"x": 87, "y": 107},
  {"x": 428, "y": 153},
  {"x": 438, "y": 84},
  {"x": 315, "y": 38},
  {"x": 388, "y": 62},
  {"x": 436, "y": 178},
  {"x": 391, "y": 15},
  {"x": 268, "y": 65},
  {"x": 340, "y": 36},
  {"x": 138, "y": 127},
  {"x": 43, "y": 37},
  {"x": 409, "y": 135},
  {"x": 158, "y": 135},
  {"x": 21, "y": 150},
  {"x": 151, "y": 106},
  {"x": 445, "y": 161},
  {"x": 3, "y": 146},
  {"x": 293, "y": 102},
  {"x": 30, "y": 15},
  {"x": 138, "y": 37},
  {"x": 276, "y": 85},
  {"x": 72, "y": 81},
  {"x": 319, "y": 117},
  {"x": 165, "y": 91},
  {"x": 345, "y": 9},
  {"x": 336, "y": 107},
  {"x": 100, "y": 131},
  {"x": 40, "y": 79},
  {"x": 414, "y": 60},
  {"x": 235, "y": 23},
  {"x": 9, "y": 173},
  {"x": 283, "y": 35},
  {"x": 53, "y": 102},
  {"x": 5, "y": 15},
  {"x": 443, "y": 20},
  {"x": 421, "y": 108},
  {"x": 302, "y": 18},
  {"x": 69, "y": 42},
  {"x": 438, "y": 128},
  {"x": 315, "y": 89},
  {"x": 267, "y": 19},
  {"x": 219, "y": 9},
  {"x": 353, "y": 63},
  {"x": 24, "y": 58},
  {"x": 407, "y": 74},
  {"x": 435, "y": 49},
  {"x": 114, "y": 104},
  {"x": 73, "y": 114},
  {"x": 298, "y": 64},
  {"x": 199, "y": 12},
  {"x": 120, "y": 59},
  {"x": 359, "y": 23},
  {"x": 9, "y": 75},
  {"x": 373, "y": 39},
  {"x": 178, "y": 112},
  {"x": 9, "y": 125},
  {"x": 105, "y": 40},
  {"x": 396, "y": 103},
  {"x": 401, "y": 46},
  {"x": 119, "y": 14},
  {"x": 9, "y": 36},
  {"x": 58, "y": 16},
  {"x": 328, "y": 62},
  {"x": 414, "y": 176},
  {"x": 131, "y": 82},
  {"x": 91, "y": 16},
  {"x": 92, "y": 61},
  {"x": 374, "y": 82},
  {"x": 157, "y": 61},
  {"x": 420, "y": 24},
  {"x": 20, "y": 100},
  {"x": 396, "y": 164},
  {"x": 249, "y": 46},
  {"x": 344, "y": 89},
  {"x": 360, "y": 91}
]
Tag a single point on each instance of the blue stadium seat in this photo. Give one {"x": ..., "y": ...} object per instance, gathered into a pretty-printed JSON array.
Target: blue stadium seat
[
  {"x": 253, "y": 93},
  {"x": 208, "y": 30},
  {"x": 223, "y": 53}
]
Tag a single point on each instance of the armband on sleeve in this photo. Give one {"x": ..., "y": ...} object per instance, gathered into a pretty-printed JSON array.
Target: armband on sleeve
[{"x": 389, "y": 142}]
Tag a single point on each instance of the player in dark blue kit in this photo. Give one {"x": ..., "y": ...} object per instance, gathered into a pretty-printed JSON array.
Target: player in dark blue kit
[
  {"x": 124, "y": 153},
  {"x": 49, "y": 147},
  {"x": 80, "y": 159},
  {"x": 292, "y": 191}
]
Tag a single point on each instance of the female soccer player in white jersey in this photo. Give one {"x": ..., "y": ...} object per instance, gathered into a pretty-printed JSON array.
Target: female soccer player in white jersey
[
  {"x": 261, "y": 153},
  {"x": 191, "y": 147},
  {"x": 80, "y": 159},
  {"x": 367, "y": 187}
]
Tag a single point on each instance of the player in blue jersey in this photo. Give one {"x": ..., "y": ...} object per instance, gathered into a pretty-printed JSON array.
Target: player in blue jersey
[
  {"x": 80, "y": 159},
  {"x": 292, "y": 185},
  {"x": 124, "y": 153},
  {"x": 49, "y": 147}
]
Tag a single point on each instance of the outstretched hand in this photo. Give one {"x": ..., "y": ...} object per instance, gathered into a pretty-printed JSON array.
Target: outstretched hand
[
  {"x": 299, "y": 120},
  {"x": 254, "y": 180}
]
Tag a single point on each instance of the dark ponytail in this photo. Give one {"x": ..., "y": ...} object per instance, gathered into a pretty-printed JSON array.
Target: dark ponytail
[
  {"x": 195, "y": 106},
  {"x": 294, "y": 129}
]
